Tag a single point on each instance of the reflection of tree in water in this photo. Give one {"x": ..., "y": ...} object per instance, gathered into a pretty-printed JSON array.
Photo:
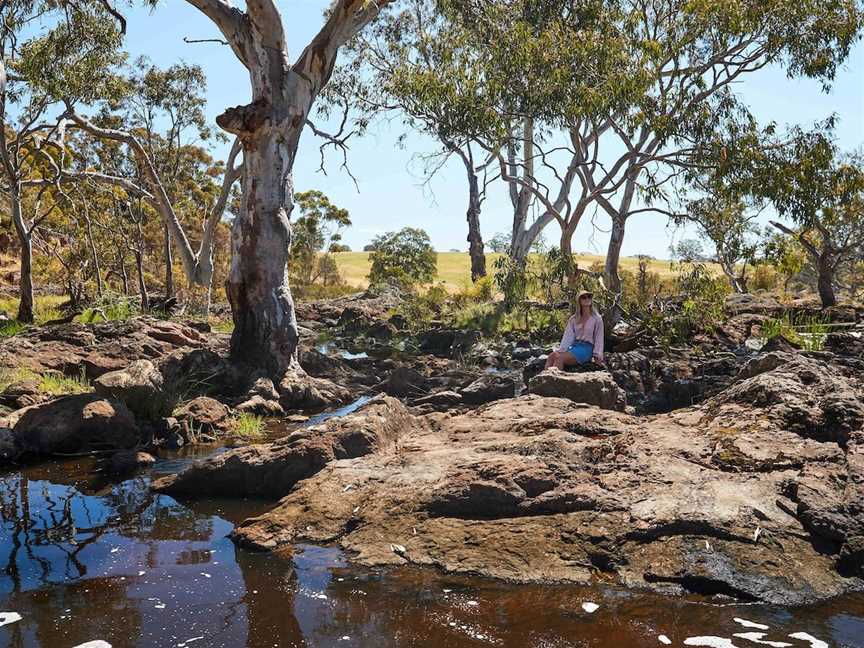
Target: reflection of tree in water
[
  {"x": 270, "y": 585},
  {"x": 47, "y": 527}
]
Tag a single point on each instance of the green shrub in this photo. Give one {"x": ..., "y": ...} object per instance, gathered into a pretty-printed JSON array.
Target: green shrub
[
  {"x": 697, "y": 308},
  {"x": 8, "y": 328},
  {"x": 57, "y": 384},
  {"x": 807, "y": 331},
  {"x": 404, "y": 258},
  {"x": 249, "y": 426},
  {"x": 111, "y": 307}
]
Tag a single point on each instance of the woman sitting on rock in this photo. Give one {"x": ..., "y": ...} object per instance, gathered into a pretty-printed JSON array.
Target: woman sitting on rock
[{"x": 583, "y": 336}]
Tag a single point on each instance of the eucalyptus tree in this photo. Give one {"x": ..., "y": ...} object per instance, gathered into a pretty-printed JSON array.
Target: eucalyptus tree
[
  {"x": 269, "y": 129},
  {"x": 417, "y": 64},
  {"x": 167, "y": 175},
  {"x": 821, "y": 190},
  {"x": 166, "y": 107},
  {"x": 671, "y": 68},
  {"x": 38, "y": 68}
]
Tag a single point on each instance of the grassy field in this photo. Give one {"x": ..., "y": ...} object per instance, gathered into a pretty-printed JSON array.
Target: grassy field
[{"x": 454, "y": 268}]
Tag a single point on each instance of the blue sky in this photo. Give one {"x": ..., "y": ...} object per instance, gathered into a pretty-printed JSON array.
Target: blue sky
[{"x": 391, "y": 192}]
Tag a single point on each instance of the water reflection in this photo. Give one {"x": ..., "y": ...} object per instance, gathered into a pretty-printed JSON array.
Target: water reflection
[{"x": 83, "y": 560}]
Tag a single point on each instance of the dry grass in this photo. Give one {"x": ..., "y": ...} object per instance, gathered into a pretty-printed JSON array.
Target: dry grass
[{"x": 454, "y": 268}]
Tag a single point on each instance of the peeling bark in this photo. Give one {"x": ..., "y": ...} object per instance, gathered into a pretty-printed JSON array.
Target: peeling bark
[{"x": 269, "y": 128}]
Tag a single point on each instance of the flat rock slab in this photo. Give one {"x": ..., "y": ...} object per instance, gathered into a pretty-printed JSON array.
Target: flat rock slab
[{"x": 756, "y": 493}]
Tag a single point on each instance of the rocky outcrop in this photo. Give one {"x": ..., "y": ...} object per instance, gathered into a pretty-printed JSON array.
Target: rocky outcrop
[
  {"x": 755, "y": 493},
  {"x": 298, "y": 390},
  {"x": 272, "y": 469},
  {"x": 590, "y": 387},
  {"x": 139, "y": 387},
  {"x": 101, "y": 347},
  {"x": 73, "y": 424}
]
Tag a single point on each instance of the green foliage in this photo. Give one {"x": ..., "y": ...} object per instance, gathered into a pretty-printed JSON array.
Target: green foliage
[
  {"x": 74, "y": 60},
  {"x": 807, "y": 331},
  {"x": 248, "y": 426},
  {"x": 111, "y": 307},
  {"x": 404, "y": 258},
  {"x": 785, "y": 255},
  {"x": 315, "y": 234},
  {"x": 8, "y": 328},
  {"x": 499, "y": 243},
  {"x": 697, "y": 308},
  {"x": 420, "y": 308},
  {"x": 58, "y": 384}
]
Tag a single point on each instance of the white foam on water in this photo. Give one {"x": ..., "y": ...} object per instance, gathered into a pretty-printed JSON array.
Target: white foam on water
[
  {"x": 665, "y": 640},
  {"x": 9, "y": 617},
  {"x": 756, "y": 637},
  {"x": 590, "y": 607},
  {"x": 750, "y": 624},
  {"x": 710, "y": 642},
  {"x": 814, "y": 642},
  {"x": 98, "y": 643}
]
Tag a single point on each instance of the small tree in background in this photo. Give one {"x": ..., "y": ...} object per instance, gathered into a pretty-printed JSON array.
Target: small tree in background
[
  {"x": 316, "y": 232},
  {"x": 404, "y": 258},
  {"x": 821, "y": 190}
]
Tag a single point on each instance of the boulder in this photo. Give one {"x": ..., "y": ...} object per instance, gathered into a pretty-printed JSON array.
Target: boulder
[
  {"x": 126, "y": 462},
  {"x": 487, "y": 388},
  {"x": 22, "y": 394},
  {"x": 405, "y": 381},
  {"x": 299, "y": 390},
  {"x": 139, "y": 387},
  {"x": 79, "y": 423},
  {"x": 437, "y": 341},
  {"x": 205, "y": 415},
  {"x": 592, "y": 388},
  {"x": 261, "y": 406}
]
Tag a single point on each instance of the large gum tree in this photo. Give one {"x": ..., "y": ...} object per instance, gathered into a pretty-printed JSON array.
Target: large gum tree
[{"x": 269, "y": 128}]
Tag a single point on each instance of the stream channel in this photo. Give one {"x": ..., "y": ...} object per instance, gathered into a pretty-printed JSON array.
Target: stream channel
[{"x": 83, "y": 560}]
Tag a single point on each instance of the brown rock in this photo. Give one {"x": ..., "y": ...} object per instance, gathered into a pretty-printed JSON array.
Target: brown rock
[
  {"x": 272, "y": 469},
  {"x": 591, "y": 387},
  {"x": 205, "y": 415},
  {"x": 139, "y": 387},
  {"x": 129, "y": 461},
  {"x": 487, "y": 388},
  {"x": 298, "y": 390},
  {"x": 79, "y": 423}
]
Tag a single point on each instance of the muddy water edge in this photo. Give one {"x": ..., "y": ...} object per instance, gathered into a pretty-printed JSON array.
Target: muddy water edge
[{"x": 83, "y": 560}]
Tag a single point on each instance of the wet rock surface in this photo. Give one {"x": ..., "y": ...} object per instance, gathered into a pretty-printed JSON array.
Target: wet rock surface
[{"x": 756, "y": 502}]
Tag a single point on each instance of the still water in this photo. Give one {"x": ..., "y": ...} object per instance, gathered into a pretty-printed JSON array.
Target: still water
[{"x": 83, "y": 561}]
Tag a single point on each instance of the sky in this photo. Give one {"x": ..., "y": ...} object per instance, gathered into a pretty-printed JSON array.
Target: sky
[{"x": 391, "y": 192}]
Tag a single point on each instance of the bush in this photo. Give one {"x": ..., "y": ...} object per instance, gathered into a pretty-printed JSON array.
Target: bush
[
  {"x": 248, "y": 426},
  {"x": 698, "y": 306},
  {"x": 764, "y": 278},
  {"x": 419, "y": 309},
  {"x": 807, "y": 331},
  {"x": 404, "y": 259}
]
